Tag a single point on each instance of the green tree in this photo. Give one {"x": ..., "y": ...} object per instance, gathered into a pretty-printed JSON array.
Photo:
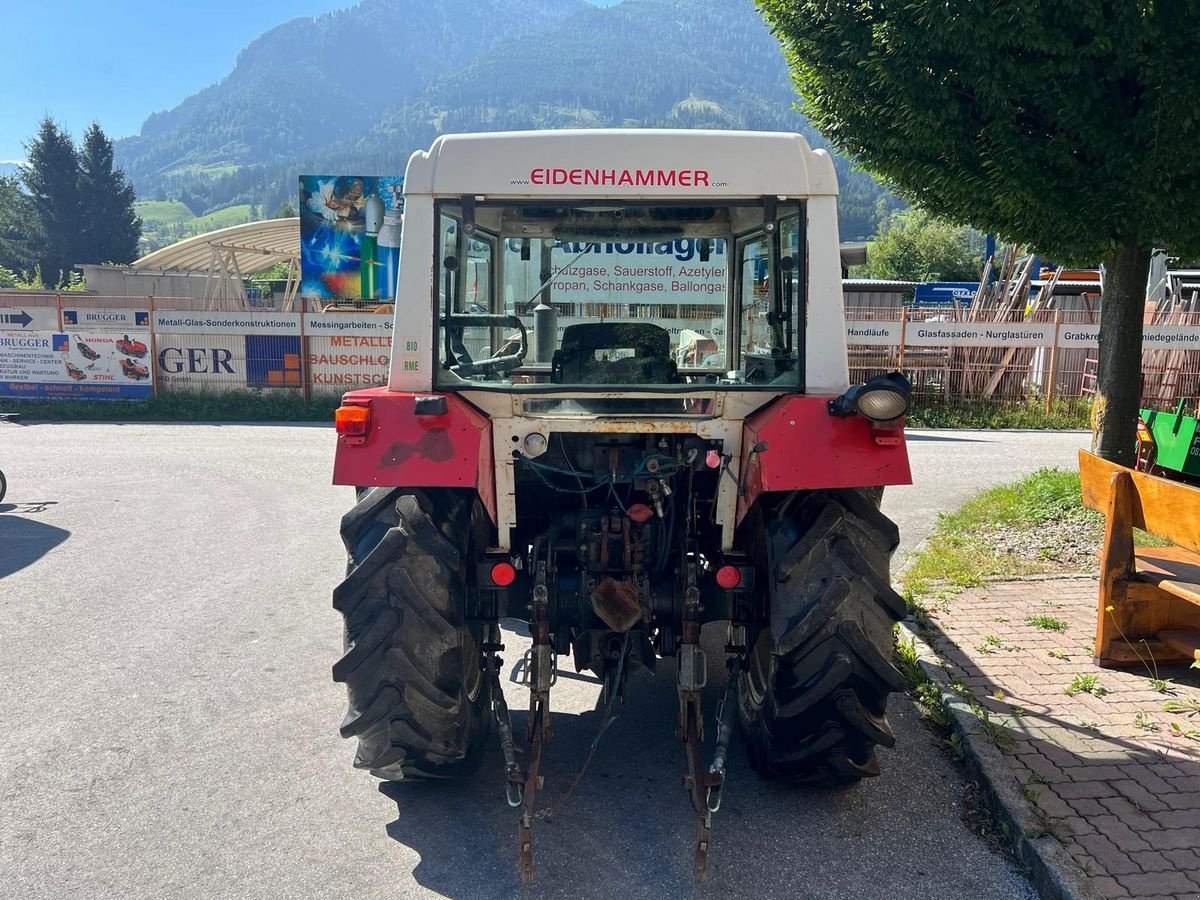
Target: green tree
[
  {"x": 285, "y": 211},
  {"x": 110, "y": 229},
  {"x": 19, "y": 227},
  {"x": 914, "y": 246},
  {"x": 51, "y": 177},
  {"x": 1068, "y": 126}
]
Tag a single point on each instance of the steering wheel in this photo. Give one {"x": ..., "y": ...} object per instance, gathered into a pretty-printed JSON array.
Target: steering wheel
[{"x": 494, "y": 364}]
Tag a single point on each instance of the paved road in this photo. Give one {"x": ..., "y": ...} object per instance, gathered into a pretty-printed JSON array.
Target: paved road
[{"x": 169, "y": 723}]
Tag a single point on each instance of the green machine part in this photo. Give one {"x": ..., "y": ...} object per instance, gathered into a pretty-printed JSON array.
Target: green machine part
[{"x": 1176, "y": 439}]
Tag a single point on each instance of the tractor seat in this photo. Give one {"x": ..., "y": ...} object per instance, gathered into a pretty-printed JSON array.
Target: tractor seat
[{"x": 614, "y": 353}]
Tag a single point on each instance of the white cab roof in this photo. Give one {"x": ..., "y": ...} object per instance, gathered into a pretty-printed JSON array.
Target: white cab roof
[{"x": 633, "y": 163}]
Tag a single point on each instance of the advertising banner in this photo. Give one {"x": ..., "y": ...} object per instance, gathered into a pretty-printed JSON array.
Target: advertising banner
[
  {"x": 29, "y": 318},
  {"x": 106, "y": 319},
  {"x": 350, "y": 237},
  {"x": 76, "y": 365},
  {"x": 211, "y": 362},
  {"x": 348, "y": 323},
  {"x": 1079, "y": 337},
  {"x": 874, "y": 334},
  {"x": 342, "y": 362},
  {"x": 227, "y": 322},
  {"x": 638, "y": 277},
  {"x": 970, "y": 334}
]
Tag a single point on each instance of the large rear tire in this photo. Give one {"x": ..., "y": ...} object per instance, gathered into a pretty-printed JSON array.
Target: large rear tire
[
  {"x": 812, "y": 699},
  {"x": 419, "y": 701}
]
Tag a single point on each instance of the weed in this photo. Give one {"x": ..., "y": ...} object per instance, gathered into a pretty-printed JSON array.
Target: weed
[
  {"x": 955, "y": 745},
  {"x": 1190, "y": 733},
  {"x": 1144, "y": 723},
  {"x": 961, "y": 689},
  {"x": 1085, "y": 684},
  {"x": 998, "y": 694},
  {"x": 1162, "y": 685},
  {"x": 1188, "y": 706},
  {"x": 1059, "y": 653},
  {"x": 1047, "y": 623},
  {"x": 929, "y": 701},
  {"x": 916, "y": 608},
  {"x": 997, "y": 732},
  {"x": 1089, "y": 724},
  {"x": 990, "y": 644},
  {"x": 925, "y": 694},
  {"x": 1001, "y": 618},
  {"x": 1047, "y": 827},
  {"x": 1037, "y": 778},
  {"x": 1018, "y": 712}
]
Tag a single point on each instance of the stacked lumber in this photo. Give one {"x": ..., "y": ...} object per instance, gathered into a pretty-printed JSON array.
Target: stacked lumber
[
  {"x": 981, "y": 373},
  {"x": 1171, "y": 375}
]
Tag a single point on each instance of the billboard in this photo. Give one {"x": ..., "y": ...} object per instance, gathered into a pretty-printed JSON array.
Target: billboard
[
  {"x": 208, "y": 362},
  {"x": 350, "y": 237},
  {"x": 76, "y": 365}
]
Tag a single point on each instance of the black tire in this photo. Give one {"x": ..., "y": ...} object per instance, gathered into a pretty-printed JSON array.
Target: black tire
[
  {"x": 419, "y": 701},
  {"x": 3, "y": 486},
  {"x": 813, "y": 698}
]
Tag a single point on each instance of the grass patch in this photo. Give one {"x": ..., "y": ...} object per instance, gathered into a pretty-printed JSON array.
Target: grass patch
[
  {"x": 1085, "y": 684},
  {"x": 1047, "y": 623},
  {"x": 1065, "y": 414},
  {"x": 157, "y": 213},
  {"x": 222, "y": 218},
  {"x": 962, "y": 550},
  {"x": 224, "y": 406}
]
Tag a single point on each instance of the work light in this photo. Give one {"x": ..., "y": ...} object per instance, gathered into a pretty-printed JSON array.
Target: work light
[{"x": 882, "y": 399}]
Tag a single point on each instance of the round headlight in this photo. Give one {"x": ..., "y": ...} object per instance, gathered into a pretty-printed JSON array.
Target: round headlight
[{"x": 882, "y": 405}]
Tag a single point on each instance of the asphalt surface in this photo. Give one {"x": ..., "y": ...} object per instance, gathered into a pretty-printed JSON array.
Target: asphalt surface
[{"x": 170, "y": 726}]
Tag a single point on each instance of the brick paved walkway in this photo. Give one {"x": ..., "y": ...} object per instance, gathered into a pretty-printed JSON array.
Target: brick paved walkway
[{"x": 1110, "y": 775}]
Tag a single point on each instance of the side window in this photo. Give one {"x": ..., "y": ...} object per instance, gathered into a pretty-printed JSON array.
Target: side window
[
  {"x": 754, "y": 286},
  {"x": 771, "y": 294},
  {"x": 448, "y": 268}
]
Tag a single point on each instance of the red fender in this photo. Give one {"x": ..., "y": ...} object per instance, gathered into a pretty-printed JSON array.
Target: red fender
[
  {"x": 808, "y": 449},
  {"x": 402, "y": 449}
]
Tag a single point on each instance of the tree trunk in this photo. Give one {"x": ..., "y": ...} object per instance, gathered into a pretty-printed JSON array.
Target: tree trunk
[{"x": 1119, "y": 381}]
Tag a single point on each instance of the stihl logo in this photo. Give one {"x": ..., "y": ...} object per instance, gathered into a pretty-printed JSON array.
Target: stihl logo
[{"x": 621, "y": 177}]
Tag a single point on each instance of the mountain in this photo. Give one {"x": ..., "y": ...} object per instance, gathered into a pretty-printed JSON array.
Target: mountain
[{"x": 357, "y": 91}]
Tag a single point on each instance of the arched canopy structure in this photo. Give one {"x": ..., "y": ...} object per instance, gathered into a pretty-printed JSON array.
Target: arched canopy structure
[{"x": 230, "y": 254}]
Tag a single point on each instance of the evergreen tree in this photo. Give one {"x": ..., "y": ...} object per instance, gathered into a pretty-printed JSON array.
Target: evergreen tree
[
  {"x": 19, "y": 227},
  {"x": 51, "y": 176},
  {"x": 110, "y": 229}
]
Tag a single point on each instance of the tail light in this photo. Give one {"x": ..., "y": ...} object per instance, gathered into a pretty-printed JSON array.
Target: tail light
[
  {"x": 503, "y": 574},
  {"x": 353, "y": 423},
  {"x": 729, "y": 577}
]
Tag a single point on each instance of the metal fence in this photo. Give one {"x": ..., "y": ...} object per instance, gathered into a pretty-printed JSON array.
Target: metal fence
[
  {"x": 1041, "y": 357},
  {"x": 1045, "y": 357}
]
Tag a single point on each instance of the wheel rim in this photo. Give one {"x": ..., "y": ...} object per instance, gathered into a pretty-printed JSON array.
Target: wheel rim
[
  {"x": 472, "y": 668},
  {"x": 758, "y": 670}
]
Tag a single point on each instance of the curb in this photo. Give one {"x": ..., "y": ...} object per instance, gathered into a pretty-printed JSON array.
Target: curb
[{"x": 1052, "y": 871}]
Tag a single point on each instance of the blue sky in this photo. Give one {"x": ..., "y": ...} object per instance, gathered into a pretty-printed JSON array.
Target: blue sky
[{"x": 120, "y": 60}]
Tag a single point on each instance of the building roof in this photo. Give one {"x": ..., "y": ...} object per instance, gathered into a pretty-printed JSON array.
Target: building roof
[{"x": 254, "y": 246}]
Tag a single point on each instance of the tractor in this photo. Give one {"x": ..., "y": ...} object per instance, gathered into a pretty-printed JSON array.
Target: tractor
[{"x": 619, "y": 409}]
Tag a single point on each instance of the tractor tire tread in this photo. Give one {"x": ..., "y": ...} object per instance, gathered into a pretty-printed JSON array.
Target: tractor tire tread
[{"x": 821, "y": 711}]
